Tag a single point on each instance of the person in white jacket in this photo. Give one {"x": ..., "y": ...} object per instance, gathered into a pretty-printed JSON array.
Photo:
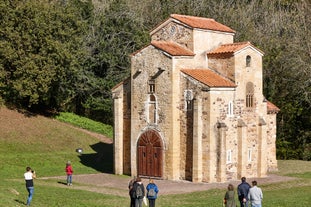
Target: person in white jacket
[
  {"x": 255, "y": 195},
  {"x": 29, "y": 176}
]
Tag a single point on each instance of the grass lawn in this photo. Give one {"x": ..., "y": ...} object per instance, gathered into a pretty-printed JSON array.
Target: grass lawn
[{"x": 46, "y": 144}]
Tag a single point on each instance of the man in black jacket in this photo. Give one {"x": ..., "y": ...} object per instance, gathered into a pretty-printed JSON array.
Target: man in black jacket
[
  {"x": 131, "y": 191},
  {"x": 243, "y": 189}
]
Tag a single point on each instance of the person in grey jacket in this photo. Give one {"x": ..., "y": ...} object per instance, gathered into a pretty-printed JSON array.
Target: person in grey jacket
[{"x": 255, "y": 195}]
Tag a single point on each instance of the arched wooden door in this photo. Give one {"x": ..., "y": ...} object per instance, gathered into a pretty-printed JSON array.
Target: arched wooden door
[{"x": 150, "y": 154}]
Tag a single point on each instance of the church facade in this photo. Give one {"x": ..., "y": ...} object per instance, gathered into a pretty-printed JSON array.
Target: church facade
[{"x": 193, "y": 107}]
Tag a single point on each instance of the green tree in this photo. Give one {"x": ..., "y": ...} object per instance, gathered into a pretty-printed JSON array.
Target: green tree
[{"x": 40, "y": 49}]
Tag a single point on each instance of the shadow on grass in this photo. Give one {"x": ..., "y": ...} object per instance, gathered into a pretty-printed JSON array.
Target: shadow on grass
[
  {"x": 61, "y": 182},
  {"x": 102, "y": 160},
  {"x": 20, "y": 202}
]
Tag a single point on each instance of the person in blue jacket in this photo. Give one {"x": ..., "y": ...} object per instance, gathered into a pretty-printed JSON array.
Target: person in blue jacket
[
  {"x": 152, "y": 192},
  {"x": 243, "y": 189}
]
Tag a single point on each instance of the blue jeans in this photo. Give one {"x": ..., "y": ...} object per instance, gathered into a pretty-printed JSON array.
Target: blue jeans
[
  {"x": 30, "y": 194},
  {"x": 256, "y": 205},
  {"x": 69, "y": 179}
]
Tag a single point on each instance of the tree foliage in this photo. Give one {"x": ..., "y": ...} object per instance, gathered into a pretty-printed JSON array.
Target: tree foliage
[
  {"x": 40, "y": 50},
  {"x": 68, "y": 54}
]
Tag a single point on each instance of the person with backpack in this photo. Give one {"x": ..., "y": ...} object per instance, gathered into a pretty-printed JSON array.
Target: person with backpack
[
  {"x": 152, "y": 192},
  {"x": 139, "y": 191},
  {"x": 131, "y": 191}
]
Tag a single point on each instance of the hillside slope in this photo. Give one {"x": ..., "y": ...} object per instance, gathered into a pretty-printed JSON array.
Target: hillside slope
[{"x": 42, "y": 142}]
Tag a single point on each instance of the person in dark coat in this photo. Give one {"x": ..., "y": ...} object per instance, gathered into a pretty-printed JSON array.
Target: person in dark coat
[
  {"x": 131, "y": 191},
  {"x": 243, "y": 189},
  {"x": 139, "y": 193}
]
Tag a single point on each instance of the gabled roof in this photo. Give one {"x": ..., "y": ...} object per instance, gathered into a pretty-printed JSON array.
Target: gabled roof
[
  {"x": 202, "y": 23},
  {"x": 172, "y": 48},
  {"x": 208, "y": 77},
  {"x": 231, "y": 48},
  {"x": 272, "y": 108},
  {"x": 195, "y": 22}
]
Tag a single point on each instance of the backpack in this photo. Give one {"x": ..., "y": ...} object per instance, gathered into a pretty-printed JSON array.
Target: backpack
[
  {"x": 151, "y": 192},
  {"x": 139, "y": 192}
]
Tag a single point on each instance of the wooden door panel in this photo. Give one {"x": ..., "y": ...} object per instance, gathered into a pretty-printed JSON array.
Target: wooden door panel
[
  {"x": 157, "y": 159},
  {"x": 142, "y": 160}
]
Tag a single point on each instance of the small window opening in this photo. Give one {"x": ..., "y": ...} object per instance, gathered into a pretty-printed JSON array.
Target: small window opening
[
  {"x": 249, "y": 159},
  {"x": 230, "y": 108},
  {"x": 248, "y": 61},
  {"x": 152, "y": 110},
  {"x": 188, "y": 96},
  {"x": 229, "y": 156},
  {"x": 151, "y": 86}
]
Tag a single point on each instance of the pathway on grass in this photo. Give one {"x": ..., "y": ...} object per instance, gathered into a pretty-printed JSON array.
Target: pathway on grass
[{"x": 117, "y": 185}]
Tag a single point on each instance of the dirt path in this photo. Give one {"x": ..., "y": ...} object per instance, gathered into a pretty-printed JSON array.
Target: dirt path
[{"x": 117, "y": 185}]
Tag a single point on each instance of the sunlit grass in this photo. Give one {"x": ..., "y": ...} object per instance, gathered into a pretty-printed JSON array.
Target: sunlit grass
[{"x": 47, "y": 146}]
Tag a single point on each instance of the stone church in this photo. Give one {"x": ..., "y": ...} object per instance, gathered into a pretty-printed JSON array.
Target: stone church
[{"x": 193, "y": 107}]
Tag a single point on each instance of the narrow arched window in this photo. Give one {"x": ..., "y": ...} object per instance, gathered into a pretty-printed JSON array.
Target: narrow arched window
[
  {"x": 249, "y": 94},
  {"x": 249, "y": 157},
  {"x": 188, "y": 95},
  {"x": 248, "y": 61},
  {"x": 229, "y": 156},
  {"x": 152, "y": 109},
  {"x": 230, "y": 108}
]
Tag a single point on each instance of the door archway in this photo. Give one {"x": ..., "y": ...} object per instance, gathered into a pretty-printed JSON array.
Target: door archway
[{"x": 150, "y": 154}]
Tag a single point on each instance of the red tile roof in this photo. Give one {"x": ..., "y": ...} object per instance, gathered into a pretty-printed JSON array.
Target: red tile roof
[
  {"x": 172, "y": 48},
  {"x": 202, "y": 23},
  {"x": 230, "y": 48},
  {"x": 208, "y": 77},
  {"x": 272, "y": 108}
]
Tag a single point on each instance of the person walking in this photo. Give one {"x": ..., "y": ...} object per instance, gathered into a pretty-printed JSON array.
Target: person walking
[
  {"x": 255, "y": 195},
  {"x": 131, "y": 191},
  {"x": 152, "y": 193},
  {"x": 229, "y": 199},
  {"x": 69, "y": 172},
  {"x": 29, "y": 175},
  {"x": 139, "y": 191},
  {"x": 243, "y": 189}
]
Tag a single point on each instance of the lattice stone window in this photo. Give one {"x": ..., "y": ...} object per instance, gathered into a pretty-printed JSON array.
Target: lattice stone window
[
  {"x": 151, "y": 84},
  {"x": 249, "y": 94},
  {"x": 188, "y": 96}
]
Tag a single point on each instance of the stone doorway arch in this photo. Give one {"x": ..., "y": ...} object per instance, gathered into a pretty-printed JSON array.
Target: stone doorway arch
[{"x": 150, "y": 154}]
